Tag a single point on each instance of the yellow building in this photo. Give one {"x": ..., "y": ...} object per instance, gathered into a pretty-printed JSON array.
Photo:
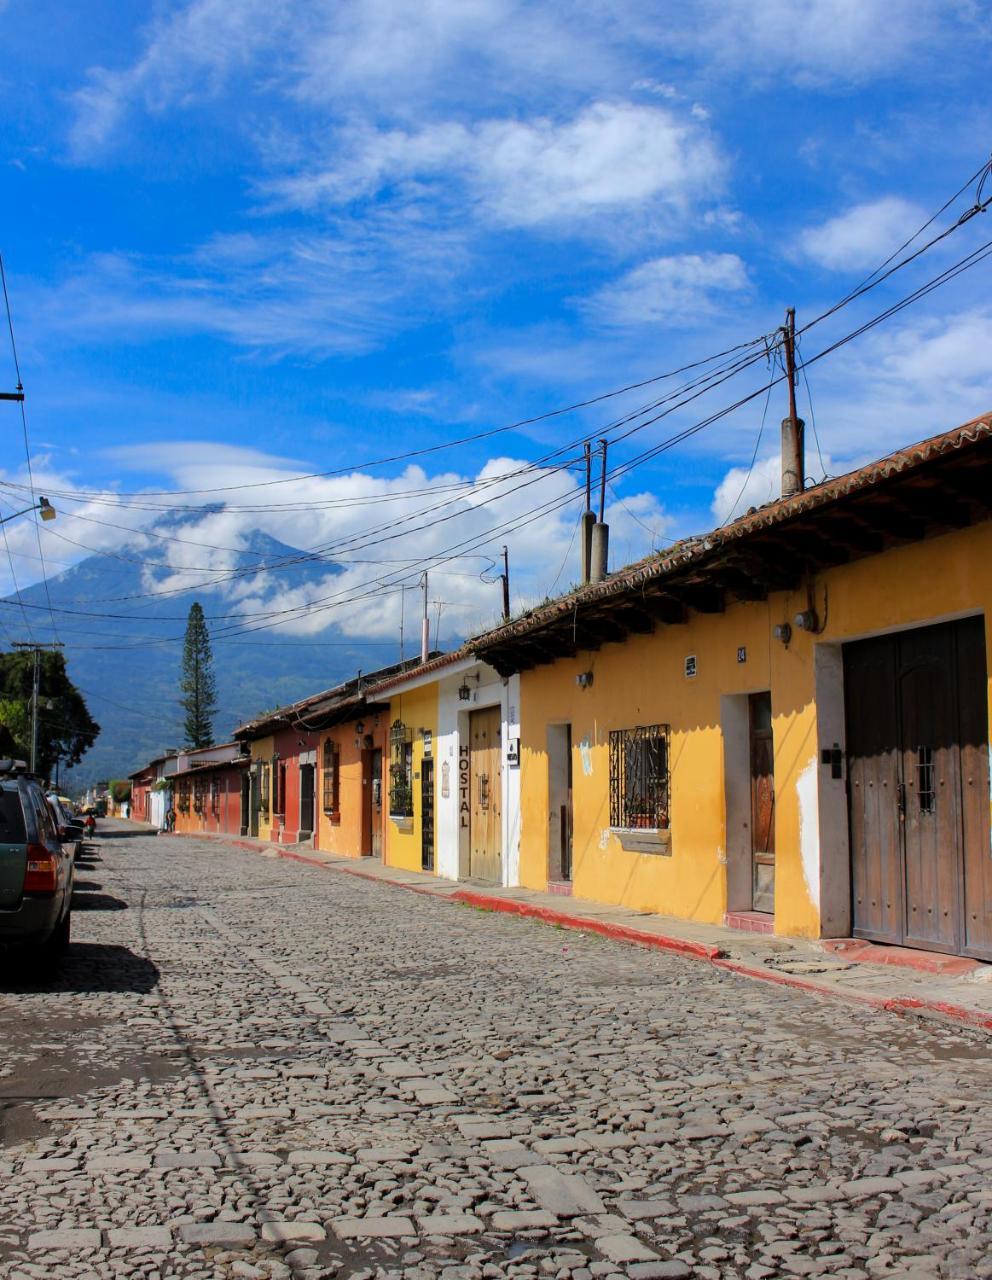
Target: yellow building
[
  {"x": 783, "y": 725},
  {"x": 409, "y": 781},
  {"x": 260, "y": 784}
]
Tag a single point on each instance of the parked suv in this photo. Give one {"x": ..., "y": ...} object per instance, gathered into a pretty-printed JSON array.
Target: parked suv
[
  {"x": 36, "y": 874},
  {"x": 70, "y": 832}
]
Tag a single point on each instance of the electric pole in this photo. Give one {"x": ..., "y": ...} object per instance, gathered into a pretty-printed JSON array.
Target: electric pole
[
  {"x": 505, "y": 575},
  {"x": 29, "y": 646},
  {"x": 793, "y": 427},
  {"x": 425, "y": 626}
]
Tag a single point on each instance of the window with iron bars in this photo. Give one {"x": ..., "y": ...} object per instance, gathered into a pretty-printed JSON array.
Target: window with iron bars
[
  {"x": 263, "y": 787},
  {"x": 400, "y": 770},
  {"x": 214, "y": 796},
  {"x": 639, "y": 782},
  {"x": 199, "y": 787},
  {"x": 182, "y": 801},
  {"x": 331, "y": 778}
]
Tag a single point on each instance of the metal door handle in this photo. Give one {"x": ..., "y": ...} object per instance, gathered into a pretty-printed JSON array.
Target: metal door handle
[
  {"x": 483, "y": 790},
  {"x": 901, "y": 801}
]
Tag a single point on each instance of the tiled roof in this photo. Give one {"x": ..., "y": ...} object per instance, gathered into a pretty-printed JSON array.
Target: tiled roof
[{"x": 694, "y": 555}]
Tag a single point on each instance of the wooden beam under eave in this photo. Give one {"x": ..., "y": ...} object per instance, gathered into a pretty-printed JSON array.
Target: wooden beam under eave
[
  {"x": 765, "y": 577},
  {"x": 973, "y": 483},
  {"x": 702, "y": 597},
  {"x": 892, "y": 518},
  {"x": 663, "y": 608},
  {"x": 635, "y": 619}
]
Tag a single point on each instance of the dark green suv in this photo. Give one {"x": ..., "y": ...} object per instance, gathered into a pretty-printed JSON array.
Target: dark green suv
[{"x": 35, "y": 874}]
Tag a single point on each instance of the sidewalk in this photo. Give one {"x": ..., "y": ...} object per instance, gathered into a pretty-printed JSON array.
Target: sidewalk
[{"x": 896, "y": 979}]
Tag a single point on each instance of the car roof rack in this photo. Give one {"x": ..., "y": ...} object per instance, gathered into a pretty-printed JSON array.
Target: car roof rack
[{"x": 10, "y": 766}]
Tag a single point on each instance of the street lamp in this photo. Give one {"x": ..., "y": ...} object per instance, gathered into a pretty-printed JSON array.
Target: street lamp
[{"x": 48, "y": 512}]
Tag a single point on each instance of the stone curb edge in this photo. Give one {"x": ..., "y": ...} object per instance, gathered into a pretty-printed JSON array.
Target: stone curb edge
[{"x": 901, "y": 1005}]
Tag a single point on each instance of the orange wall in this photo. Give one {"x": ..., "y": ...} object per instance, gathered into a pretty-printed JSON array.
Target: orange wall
[{"x": 342, "y": 833}]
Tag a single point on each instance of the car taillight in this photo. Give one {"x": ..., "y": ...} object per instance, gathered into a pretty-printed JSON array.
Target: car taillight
[{"x": 42, "y": 873}]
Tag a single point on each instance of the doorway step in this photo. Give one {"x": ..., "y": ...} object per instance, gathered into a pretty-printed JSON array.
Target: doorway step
[
  {"x": 750, "y": 921},
  {"x": 858, "y": 951},
  {"x": 561, "y": 888}
]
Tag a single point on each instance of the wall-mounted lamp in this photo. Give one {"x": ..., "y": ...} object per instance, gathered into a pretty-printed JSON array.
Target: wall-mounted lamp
[
  {"x": 359, "y": 727},
  {"x": 464, "y": 692},
  {"x": 782, "y": 632},
  {"x": 807, "y": 620},
  {"x": 584, "y": 679}
]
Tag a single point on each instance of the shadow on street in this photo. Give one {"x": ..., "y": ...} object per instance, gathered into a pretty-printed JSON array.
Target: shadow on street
[
  {"x": 90, "y": 901},
  {"x": 87, "y": 967}
]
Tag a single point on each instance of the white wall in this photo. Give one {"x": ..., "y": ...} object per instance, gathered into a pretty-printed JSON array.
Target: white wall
[{"x": 488, "y": 689}]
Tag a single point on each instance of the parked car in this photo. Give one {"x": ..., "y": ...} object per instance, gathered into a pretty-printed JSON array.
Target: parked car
[
  {"x": 36, "y": 873},
  {"x": 70, "y": 831}
]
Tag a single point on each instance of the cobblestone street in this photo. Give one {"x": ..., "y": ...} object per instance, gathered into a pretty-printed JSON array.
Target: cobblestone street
[{"x": 253, "y": 1067}]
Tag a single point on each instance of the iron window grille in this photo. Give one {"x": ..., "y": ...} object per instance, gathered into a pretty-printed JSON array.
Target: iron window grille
[
  {"x": 332, "y": 777},
  {"x": 263, "y": 787},
  {"x": 400, "y": 770},
  {"x": 639, "y": 778},
  {"x": 198, "y": 789},
  {"x": 214, "y": 796},
  {"x": 183, "y": 800}
]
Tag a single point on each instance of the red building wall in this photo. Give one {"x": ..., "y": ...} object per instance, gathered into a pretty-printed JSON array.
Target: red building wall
[{"x": 289, "y": 745}]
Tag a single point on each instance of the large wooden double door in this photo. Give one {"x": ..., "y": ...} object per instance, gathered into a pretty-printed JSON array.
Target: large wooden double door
[
  {"x": 918, "y": 784},
  {"x": 485, "y": 796}
]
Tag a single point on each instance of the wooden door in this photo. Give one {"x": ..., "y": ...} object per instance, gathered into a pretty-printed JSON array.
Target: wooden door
[
  {"x": 256, "y": 803},
  {"x": 375, "y": 797},
  {"x": 873, "y": 779},
  {"x": 565, "y": 818},
  {"x": 762, "y": 802},
  {"x": 918, "y": 778},
  {"x": 427, "y": 814},
  {"x": 307, "y": 775},
  {"x": 485, "y": 792}
]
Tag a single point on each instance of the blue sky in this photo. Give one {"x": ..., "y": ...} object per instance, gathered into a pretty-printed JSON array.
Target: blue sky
[{"x": 250, "y": 240}]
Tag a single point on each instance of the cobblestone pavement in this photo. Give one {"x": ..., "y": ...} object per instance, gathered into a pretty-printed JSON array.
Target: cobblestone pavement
[{"x": 257, "y": 1068}]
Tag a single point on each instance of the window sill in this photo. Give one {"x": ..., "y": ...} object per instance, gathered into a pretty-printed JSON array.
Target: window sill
[
  {"x": 401, "y": 822},
  {"x": 644, "y": 840}
]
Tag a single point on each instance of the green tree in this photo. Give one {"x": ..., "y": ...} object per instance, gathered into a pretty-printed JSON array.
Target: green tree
[
  {"x": 198, "y": 686},
  {"x": 66, "y": 730}
]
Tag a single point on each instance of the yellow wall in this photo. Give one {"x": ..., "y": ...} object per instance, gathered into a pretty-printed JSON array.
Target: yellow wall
[
  {"x": 263, "y": 749},
  {"x": 417, "y": 710},
  {"x": 641, "y": 681}
]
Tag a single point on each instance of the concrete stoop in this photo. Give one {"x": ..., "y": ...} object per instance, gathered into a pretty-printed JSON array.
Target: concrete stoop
[{"x": 894, "y": 979}]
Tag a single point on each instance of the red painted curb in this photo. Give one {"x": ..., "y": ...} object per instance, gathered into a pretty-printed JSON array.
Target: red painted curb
[
  {"x": 621, "y": 932},
  {"x": 901, "y": 1005},
  {"x": 889, "y": 1004}
]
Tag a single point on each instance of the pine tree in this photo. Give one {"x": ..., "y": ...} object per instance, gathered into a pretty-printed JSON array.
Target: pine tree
[{"x": 198, "y": 687}]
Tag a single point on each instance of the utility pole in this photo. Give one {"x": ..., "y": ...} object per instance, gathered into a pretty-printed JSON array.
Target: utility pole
[
  {"x": 793, "y": 427},
  {"x": 402, "y": 610},
  {"x": 506, "y": 585},
  {"x": 599, "y": 558},
  {"x": 425, "y": 626},
  {"x": 588, "y": 520},
  {"x": 29, "y": 646}
]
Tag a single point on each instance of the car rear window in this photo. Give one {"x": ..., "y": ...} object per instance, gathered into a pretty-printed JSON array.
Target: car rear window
[{"x": 11, "y": 817}]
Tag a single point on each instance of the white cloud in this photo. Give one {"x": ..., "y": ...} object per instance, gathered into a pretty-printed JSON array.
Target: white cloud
[
  {"x": 811, "y": 41},
  {"x": 864, "y": 236},
  {"x": 189, "y": 55},
  {"x": 342, "y": 291},
  {"x": 364, "y": 529},
  {"x": 678, "y": 292},
  {"x": 528, "y": 172}
]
